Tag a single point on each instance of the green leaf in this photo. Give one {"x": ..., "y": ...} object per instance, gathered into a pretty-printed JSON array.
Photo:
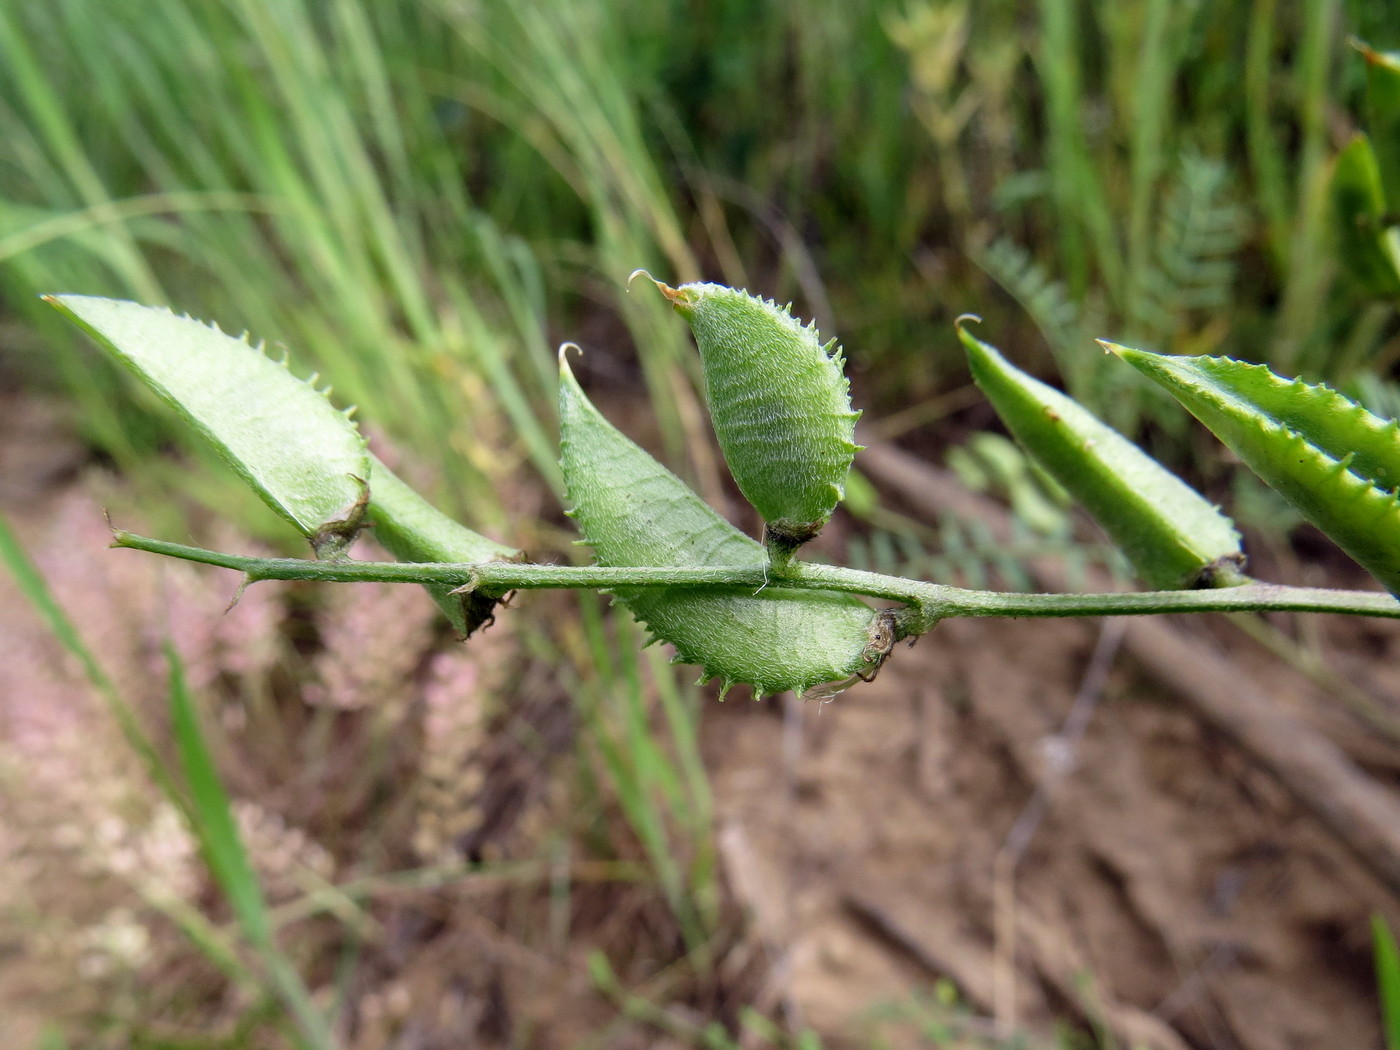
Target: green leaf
[
  {"x": 1367, "y": 244},
  {"x": 303, "y": 456},
  {"x": 780, "y": 404},
  {"x": 1324, "y": 453},
  {"x": 1173, "y": 535},
  {"x": 635, "y": 512}
]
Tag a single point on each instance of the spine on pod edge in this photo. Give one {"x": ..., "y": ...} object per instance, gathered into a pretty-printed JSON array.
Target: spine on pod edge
[{"x": 781, "y": 407}]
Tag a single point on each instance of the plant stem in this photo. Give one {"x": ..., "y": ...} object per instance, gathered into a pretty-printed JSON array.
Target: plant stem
[{"x": 932, "y": 601}]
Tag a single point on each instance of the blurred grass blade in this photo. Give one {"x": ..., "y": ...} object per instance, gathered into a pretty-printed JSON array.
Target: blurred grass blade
[
  {"x": 213, "y": 823},
  {"x": 1170, "y": 532},
  {"x": 1383, "y": 116},
  {"x": 209, "y": 940},
  {"x": 666, "y": 807},
  {"x": 1085, "y": 226},
  {"x": 1324, "y": 453},
  {"x": 32, "y": 586},
  {"x": 1387, "y": 980},
  {"x": 1368, "y": 244}
]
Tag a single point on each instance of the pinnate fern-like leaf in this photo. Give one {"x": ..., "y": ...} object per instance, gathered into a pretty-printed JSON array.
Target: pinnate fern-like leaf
[{"x": 1200, "y": 231}]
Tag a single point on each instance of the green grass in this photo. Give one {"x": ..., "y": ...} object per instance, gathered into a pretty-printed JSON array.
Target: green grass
[{"x": 213, "y": 824}]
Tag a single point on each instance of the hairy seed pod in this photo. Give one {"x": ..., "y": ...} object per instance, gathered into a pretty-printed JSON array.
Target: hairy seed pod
[
  {"x": 635, "y": 512},
  {"x": 303, "y": 456},
  {"x": 780, "y": 404},
  {"x": 1328, "y": 456},
  {"x": 1173, "y": 535}
]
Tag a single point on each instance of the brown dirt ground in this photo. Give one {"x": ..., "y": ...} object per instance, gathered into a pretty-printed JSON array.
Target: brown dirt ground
[{"x": 1204, "y": 905}]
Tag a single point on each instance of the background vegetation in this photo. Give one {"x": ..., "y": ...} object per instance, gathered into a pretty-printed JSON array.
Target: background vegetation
[{"x": 420, "y": 200}]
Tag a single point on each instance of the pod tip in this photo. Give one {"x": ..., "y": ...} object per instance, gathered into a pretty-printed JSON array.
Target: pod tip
[{"x": 661, "y": 286}]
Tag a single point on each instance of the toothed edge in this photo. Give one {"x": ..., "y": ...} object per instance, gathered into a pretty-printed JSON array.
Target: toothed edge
[
  {"x": 682, "y": 655},
  {"x": 141, "y": 365}
]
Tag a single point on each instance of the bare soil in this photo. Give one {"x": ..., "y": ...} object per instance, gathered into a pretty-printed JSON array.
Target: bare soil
[{"x": 1151, "y": 876}]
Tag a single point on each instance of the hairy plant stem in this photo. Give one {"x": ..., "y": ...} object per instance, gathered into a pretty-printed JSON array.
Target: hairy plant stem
[{"x": 928, "y": 602}]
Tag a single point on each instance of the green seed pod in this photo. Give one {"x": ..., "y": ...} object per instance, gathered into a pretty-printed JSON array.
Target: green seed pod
[
  {"x": 303, "y": 456},
  {"x": 1172, "y": 534},
  {"x": 412, "y": 529},
  {"x": 780, "y": 404},
  {"x": 635, "y": 512},
  {"x": 1328, "y": 456}
]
